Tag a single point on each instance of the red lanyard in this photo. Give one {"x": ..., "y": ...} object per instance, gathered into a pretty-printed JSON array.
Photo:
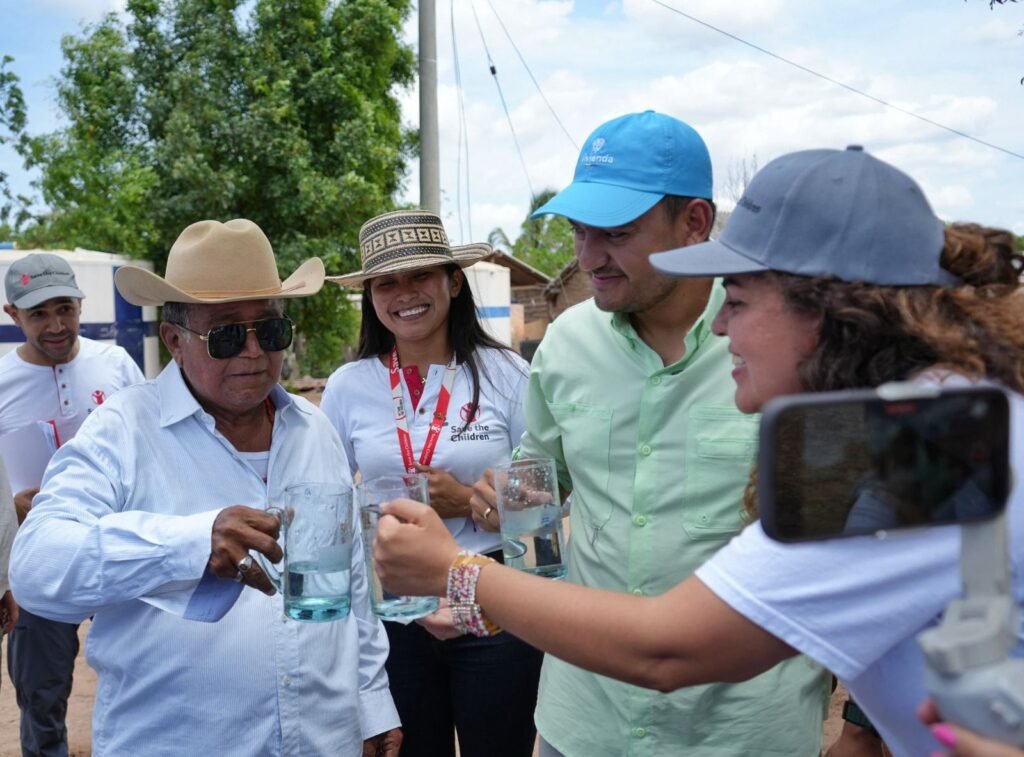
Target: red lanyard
[{"x": 401, "y": 421}]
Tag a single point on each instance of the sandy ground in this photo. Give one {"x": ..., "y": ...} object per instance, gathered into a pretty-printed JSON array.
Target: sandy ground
[
  {"x": 80, "y": 710},
  {"x": 79, "y": 719}
]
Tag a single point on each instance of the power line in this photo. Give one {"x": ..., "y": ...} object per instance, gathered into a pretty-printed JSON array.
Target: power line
[
  {"x": 838, "y": 83},
  {"x": 463, "y": 134},
  {"x": 501, "y": 96},
  {"x": 532, "y": 78}
]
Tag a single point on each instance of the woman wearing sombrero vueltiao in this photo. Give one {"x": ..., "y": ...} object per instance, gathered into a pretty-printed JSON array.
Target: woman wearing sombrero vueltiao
[{"x": 421, "y": 337}]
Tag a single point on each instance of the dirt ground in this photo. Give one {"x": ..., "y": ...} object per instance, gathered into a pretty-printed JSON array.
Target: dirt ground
[
  {"x": 80, "y": 710},
  {"x": 79, "y": 720}
]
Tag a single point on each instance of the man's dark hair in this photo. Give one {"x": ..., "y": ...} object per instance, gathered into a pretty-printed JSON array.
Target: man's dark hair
[{"x": 675, "y": 204}]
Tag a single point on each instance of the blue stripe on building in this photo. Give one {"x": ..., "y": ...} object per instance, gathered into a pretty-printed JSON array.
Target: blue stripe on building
[
  {"x": 130, "y": 329},
  {"x": 122, "y": 334},
  {"x": 11, "y": 333},
  {"x": 494, "y": 311}
]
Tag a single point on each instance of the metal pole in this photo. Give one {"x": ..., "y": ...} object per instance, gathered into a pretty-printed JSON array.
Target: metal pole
[{"x": 430, "y": 174}]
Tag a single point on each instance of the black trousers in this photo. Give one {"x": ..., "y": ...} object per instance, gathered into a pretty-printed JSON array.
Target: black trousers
[
  {"x": 41, "y": 661},
  {"x": 484, "y": 688}
]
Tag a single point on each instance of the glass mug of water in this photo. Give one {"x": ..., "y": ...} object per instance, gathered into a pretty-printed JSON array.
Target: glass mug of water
[
  {"x": 372, "y": 494},
  {"x": 530, "y": 511},
  {"x": 317, "y": 529}
]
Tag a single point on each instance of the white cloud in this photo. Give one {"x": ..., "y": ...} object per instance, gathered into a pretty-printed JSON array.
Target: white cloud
[
  {"x": 632, "y": 55},
  {"x": 955, "y": 63},
  {"x": 658, "y": 23},
  {"x": 947, "y": 200},
  {"x": 1001, "y": 30}
]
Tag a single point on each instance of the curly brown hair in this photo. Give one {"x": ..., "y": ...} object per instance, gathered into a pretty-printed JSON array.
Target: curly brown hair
[{"x": 872, "y": 334}]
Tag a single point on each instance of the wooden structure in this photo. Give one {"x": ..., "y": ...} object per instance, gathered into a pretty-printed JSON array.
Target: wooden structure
[
  {"x": 530, "y": 316},
  {"x": 569, "y": 287}
]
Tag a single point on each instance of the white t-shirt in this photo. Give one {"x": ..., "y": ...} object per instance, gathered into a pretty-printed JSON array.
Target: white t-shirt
[
  {"x": 64, "y": 393},
  {"x": 357, "y": 400},
  {"x": 856, "y": 605},
  {"x": 8, "y": 527}
]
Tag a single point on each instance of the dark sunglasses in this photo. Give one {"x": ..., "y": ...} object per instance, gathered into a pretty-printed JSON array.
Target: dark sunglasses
[{"x": 222, "y": 342}]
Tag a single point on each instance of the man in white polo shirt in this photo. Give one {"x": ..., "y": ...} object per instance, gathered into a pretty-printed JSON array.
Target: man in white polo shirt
[{"x": 60, "y": 377}]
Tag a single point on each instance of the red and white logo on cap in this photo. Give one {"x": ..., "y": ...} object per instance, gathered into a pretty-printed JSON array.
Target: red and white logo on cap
[
  {"x": 98, "y": 396},
  {"x": 25, "y": 279}
]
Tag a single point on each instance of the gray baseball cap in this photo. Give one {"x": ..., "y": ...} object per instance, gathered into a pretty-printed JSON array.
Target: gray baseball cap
[
  {"x": 841, "y": 213},
  {"x": 36, "y": 278}
]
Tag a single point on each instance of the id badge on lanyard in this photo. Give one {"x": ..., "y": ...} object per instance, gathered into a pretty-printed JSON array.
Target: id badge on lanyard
[{"x": 402, "y": 421}]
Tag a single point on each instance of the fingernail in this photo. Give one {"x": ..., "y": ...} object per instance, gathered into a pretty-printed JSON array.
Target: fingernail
[{"x": 944, "y": 734}]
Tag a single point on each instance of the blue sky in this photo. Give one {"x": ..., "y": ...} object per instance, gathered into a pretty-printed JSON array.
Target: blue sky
[{"x": 951, "y": 61}]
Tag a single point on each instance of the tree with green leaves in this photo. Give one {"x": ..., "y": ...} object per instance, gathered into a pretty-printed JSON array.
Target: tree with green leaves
[
  {"x": 280, "y": 111},
  {"x": 546, "y": 243},
  {"x": 12, "y": 133}
]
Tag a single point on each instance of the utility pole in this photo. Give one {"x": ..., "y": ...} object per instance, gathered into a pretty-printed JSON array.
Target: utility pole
[{"x": 430, "y": 160}]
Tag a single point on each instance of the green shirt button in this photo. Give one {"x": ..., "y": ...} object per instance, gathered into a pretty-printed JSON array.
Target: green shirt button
[
  {"x": 640, "y": 520},
  {"x": 638, "y": 591},
  {"x": 655, "y": 380},
  {"x": 646, "y": 449},
  {"x": 639, "y": 732}
]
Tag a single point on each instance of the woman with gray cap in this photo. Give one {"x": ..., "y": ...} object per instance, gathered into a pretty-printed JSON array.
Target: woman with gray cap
[
  {"x": 422, "y": 347},
  {"x": 838, "y": 276}
]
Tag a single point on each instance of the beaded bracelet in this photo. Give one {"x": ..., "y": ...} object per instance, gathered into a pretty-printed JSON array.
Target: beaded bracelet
[{"x": 467, "y": 616}]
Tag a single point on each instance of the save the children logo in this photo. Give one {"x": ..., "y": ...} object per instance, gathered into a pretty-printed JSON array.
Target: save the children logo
[
  {"x": 25, "y": 279},
  {"x": 98, "y": 396},
  {"x": 470, "y": 429},
  {"x": 464, "y": 413}
]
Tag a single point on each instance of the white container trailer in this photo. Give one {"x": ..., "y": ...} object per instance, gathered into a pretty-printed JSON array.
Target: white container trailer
[
  {"x": 106, "y": 315},
  {"x": 492, "y": 292}
]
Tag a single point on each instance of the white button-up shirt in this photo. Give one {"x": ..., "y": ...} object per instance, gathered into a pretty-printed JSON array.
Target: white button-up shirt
[{"x": 121, "y": 531}]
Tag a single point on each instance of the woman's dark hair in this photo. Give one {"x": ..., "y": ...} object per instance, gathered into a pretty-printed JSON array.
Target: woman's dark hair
[
  {"x": 465, "y": 332},
  {"x": 872, "y": 334}
]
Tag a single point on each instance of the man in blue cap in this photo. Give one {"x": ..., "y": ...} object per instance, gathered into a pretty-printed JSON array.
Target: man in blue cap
[{"x": 630, "y": 394}]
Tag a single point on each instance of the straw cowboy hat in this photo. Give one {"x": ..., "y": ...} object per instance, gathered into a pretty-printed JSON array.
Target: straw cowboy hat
[
  {"x": 214, "y": 262},
  {"x": 405, "y": 240}
]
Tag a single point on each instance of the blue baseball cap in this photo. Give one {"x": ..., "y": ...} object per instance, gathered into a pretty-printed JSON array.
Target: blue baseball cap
[
  {"x": 627, "y": 165},
  {"x": 841, "y": 213}
]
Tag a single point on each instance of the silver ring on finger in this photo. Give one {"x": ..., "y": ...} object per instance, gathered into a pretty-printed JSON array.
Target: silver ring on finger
[
  {"x": 243, "y": 566},
  {"x": 488, "y": 511}
]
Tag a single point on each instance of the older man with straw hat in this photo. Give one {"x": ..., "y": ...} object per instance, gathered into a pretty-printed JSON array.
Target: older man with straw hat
[{"x": 146, "y": 520}]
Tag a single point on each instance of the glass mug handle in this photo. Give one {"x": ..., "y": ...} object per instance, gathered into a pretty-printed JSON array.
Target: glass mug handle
[{"x": 272, "y": 571}]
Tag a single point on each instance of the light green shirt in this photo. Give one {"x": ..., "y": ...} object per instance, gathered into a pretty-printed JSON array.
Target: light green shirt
[{"x": 657, "y": 458}]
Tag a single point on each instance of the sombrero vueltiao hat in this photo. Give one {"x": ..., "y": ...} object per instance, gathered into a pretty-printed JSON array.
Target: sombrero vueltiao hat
[
  {"x": 405, "y": 240},
  {"x": 213, "y": 262}
]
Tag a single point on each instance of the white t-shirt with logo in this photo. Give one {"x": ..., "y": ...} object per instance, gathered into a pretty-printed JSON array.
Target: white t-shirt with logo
[
  {"x": 856, "y": 604},
  {"x": 64, "y": 393},
  {"x": 357, "y": 400}
]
